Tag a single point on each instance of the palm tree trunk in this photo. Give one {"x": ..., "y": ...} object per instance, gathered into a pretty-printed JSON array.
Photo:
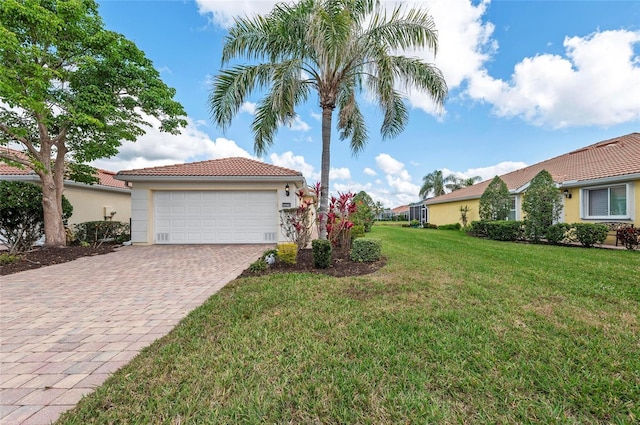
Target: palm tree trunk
[{"x": 327, "y": 115}]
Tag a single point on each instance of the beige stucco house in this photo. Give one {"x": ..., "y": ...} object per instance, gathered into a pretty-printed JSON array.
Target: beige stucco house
[
  {"x": 600, "y": 183},
  {"x": 229, "y": 200},
  {"x": 108, "y": 199}
]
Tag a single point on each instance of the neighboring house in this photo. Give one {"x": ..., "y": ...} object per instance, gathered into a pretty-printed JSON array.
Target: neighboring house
[
  {"x": 93, "y": 202},
  {"x": 401, "y": 212},
  {"x": 230, "y": 200},
  {"x": 600, "y": 183}
]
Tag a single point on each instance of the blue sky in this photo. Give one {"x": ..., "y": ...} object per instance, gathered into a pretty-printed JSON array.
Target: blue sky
[{"x": 528, "y": 80}]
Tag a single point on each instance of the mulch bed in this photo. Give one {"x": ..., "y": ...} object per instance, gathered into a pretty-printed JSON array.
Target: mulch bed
[
  {"x": 340, "y": 265},
  {"x": 41, "y": 257}
]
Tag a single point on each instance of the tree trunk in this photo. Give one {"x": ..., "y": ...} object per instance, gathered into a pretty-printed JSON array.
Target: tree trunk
[
  {"x": 52, "y": 208},
  {"x": 327, "y": 115}
]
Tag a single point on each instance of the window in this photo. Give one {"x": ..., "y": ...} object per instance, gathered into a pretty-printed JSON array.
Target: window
[
  {"x": 607, "y": 202},
  {"x": 512, "y": 209}
]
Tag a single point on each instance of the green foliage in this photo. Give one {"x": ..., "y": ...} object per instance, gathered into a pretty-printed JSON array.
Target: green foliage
[
  {"x": 557, "y": 233},
  {"x": 287, "y": 253},
  {"x": 542, "y": 205},
  {"x": 321, "y": 249},
  {"x": 22, "y": 214},
  {"x": 365, "y": 250},
  {"x": 504, "y": 230},
  {"x": 365, "y": 211},
  {"x": 495, "y": 201},
  {"x": 96, "y": 232},
  {"x": 6, "y": 258},
  {"x": 478, "y": 228},
  {"x": 451, "y": 226},
  {"x": 414, "y": 223},
  {"x": 464, "y": 215},
  {"x": 435, "y": 183},
  {"x": 257, "y": 266},
  {"x": 357, "y": 231},
  {"x": 589, "y": 234},
  {"x": 86, "y": 89},
  {"x": 429, "y": 226}
]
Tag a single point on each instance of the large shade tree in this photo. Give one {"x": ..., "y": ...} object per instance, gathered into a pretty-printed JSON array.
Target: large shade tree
[
  {"x": 70, "y": 93},
  {"x": 434, "y": 183},
  {"x": 335, "y": 49}
]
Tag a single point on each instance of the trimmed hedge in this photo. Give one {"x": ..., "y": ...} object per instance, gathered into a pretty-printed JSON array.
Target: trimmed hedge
[
  {"x": 453, "y": 226},
  {"x": 589, "y": 234},
  {"x": 288, "y": 253},
  {"x": 557, "y": 233},
  {"x": 365, "y": 250},
  {"x": 505, "y": 230},
  {"x": 321, "y": 249}
]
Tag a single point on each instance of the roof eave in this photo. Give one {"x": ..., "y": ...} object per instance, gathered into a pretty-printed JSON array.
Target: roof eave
[
  {"x": 137, "y": 178},
  {"x": 603, "y": 180}
]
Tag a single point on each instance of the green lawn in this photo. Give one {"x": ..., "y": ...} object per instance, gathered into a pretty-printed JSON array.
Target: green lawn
[{"x": 452, "y": 330}]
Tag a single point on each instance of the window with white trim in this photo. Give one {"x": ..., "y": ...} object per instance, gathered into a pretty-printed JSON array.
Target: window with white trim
[
  {"x": 607, "y": 201},
  {"x": 512, "y": 209}
]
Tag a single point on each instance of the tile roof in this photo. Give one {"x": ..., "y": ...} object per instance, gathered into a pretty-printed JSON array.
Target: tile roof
[
  {"x": 401, "y": 209},
  {"x": 224, "y": 167},
  {"x": 105, "y": 177},
  {"x": 615, "y": 157}
]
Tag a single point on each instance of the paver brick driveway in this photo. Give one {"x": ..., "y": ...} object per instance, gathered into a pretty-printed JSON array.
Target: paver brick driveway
[{"x": 65, "y": 328}]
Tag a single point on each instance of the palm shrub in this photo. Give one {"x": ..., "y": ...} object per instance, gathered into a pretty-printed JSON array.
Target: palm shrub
[
  {"x": 542, "y": 205},
  {"x": 22, "y": 214},
  {"x": 495, "y": 201}
]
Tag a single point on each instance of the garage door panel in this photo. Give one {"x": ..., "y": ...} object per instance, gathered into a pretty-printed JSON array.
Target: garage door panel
[{"x": 215, "y": 217}]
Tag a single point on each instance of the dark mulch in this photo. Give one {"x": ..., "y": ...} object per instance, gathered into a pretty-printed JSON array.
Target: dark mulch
[
  {"x": 340, "y": 266},
  {"x": 41, "y": 257}
]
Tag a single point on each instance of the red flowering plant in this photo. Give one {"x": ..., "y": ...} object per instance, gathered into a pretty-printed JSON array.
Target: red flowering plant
[
  {"x": 339, "y": 222},
  {"x": 296, "y": 222}
]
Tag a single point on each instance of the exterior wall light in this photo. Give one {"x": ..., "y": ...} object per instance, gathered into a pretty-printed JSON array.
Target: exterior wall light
[
  {"x": 567, "y": 194},
  {"x": 286, "y": 190}
]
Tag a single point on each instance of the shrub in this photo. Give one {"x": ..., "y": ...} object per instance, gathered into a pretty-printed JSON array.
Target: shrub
[
  {"x": 365, "y": 250},
  {"x": 288, "y": 253},
  {"x": 296, "y": 223},
  {"x": 321, "y": 249},
  {"x": 365, "y": 211},
  {"x": 414, "y": 223},
  {"x": 495, "y": 201},
  {"x": 479, "y": 228},
  {"x": 8, "y": 258},
  {"x": 629, "y": 237},
  {"x": 96, "y": 232},
  {"x": 557, "y": 233},
  {"x": 504, "y": 230},
  {"x": 357, "y": 231},
  {"x": 453, "y": 226},
  {"x": 589, "y": 234},
  {"x": 257, "y": 266},
  {"x": 542, "y": 205},
  {"x": 339, "y": 221},
  {"x": 464, "y": 215},
  {"x": 429, "y": 226},
  {"x": 21, "y": 214}
]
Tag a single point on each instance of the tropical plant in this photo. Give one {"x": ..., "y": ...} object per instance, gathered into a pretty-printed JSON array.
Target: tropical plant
[
  {"x": 296, "y": 223},
  {"x": 458, "y": 183},
  {"x": 71, "y": 91},
  {"x": 335, "y": 48},
  {"x": 364, "y": 214},
  {"x": 434, "y": 183},
  {"x": 464, "y": 215},
  {"x": 542, "y": 205},
  {"x": 495, "y": 201}
]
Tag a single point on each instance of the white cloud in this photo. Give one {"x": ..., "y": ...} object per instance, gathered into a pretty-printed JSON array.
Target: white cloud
[
  {"x": 157, "y": 148},
  {"x": 339, "y": 174},
  {"x": 592, "y": 84},
  {"x": 248, "y": 107},
  {"x": 316, "y": 116},
  {"x": 389, "y": 165},
  {"x": 223, "y": 11},
  {"x": 299, "y": 125},
  {"x": 368, "y": 171},
  {"x": 488, "y": 172},
  {"x": 296, "y": 162},
  {"x": 403, "y": 190}
]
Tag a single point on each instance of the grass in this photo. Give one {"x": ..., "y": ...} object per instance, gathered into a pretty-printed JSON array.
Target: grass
[{"x": 453, "y": 330}]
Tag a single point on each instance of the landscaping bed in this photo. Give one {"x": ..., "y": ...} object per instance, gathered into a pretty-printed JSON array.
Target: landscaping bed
[{"x": 41, "y": 257}]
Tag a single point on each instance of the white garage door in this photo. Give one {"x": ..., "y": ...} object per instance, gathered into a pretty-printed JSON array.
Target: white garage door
[{"x": 202, "y": 217}]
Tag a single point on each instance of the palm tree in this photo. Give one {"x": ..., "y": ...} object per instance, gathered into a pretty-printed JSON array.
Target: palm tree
[
  {"x": 435, "y": 183},
  {"x": 458, "y": 183},
  {"x": 337, "y": 49}
]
